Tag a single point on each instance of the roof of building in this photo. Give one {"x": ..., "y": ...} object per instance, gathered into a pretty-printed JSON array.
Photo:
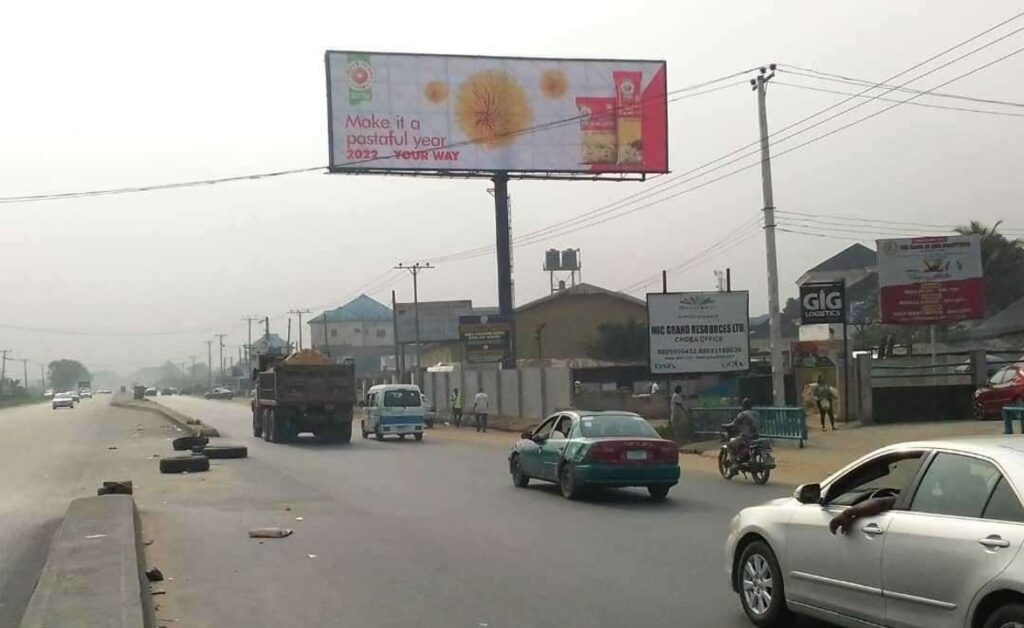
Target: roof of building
[
  {"x": 760, "y": 327},
  {"x": 273, "y": 341},
  {"x": 582, "y": 289},
  {"x": 1009, "y": 320},
  {"x": 360, "y": 309},
  {"x": 854, "y": 257}
]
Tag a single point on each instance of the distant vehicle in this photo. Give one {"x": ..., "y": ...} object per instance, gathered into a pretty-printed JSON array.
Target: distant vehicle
[
  {"x": 992, "y": 364},
  {"x": 150, "y": 392},
  {"x": 1005, "y": 388},
  {"x": 170, "y": 390},
  {"x": 104, "y": 391},
  {"x": 75, "y": 395},
  {"x": 578, "y": 449},
  {"x": 394, "y": 410},
  {"x": 304, "y": 392},
  {"x": 62, "y": 400},
  {"x": 943, "y": 548},
  {"x": 48, "y": 394},
  {"x": 219, "y": 393},
  {"x": 85, "y": 393}
]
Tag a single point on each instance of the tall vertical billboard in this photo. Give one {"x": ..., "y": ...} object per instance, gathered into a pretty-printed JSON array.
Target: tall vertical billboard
[
  {"x": 930, "y": 280},
  {"x": 407, "y": 112},
  {"x": 698, "y": 332}
]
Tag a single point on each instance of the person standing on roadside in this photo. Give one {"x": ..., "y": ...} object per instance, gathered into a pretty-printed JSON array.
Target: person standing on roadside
[
  {"x": 825, "y": 397},
  {"x": 457, "y": 408},
  {"x": 677, "y": 411},
  {"x": 481, "y": 405}
]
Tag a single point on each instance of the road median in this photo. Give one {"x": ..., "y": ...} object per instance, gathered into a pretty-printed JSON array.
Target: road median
[
  {"x": 185, "y": 422},
  {"x": 94, "y": 574}
]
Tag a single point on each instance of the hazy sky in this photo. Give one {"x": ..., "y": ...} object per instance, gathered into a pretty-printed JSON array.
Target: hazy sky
[{"x": 97, "y": 95}]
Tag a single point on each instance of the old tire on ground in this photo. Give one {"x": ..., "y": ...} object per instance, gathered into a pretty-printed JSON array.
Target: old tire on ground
[
  {"x": 761, "y": 587},
  {"x": 519, "y": 479},
  {"x": 1006, "y": 615},
  {"x": 179, "y": 464},
  {"x": 224, "y": 452},
  {"x": 658, "y": 491},
  {"x": 184, "y": 443}
]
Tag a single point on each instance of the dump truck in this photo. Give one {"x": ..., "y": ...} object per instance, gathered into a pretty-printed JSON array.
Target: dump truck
[{"x": 303, "y": 392}]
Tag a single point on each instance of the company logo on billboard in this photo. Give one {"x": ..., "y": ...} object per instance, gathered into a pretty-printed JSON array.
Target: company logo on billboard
[
  {"x": 695, "y": 302},
  {"x": 359, "y": 74},
  {"x": 822, "y": 304}
]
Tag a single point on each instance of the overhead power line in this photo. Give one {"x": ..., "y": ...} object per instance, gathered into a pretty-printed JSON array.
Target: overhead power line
[
  {"x": 916, "y": 104},
  {"x": 679, "y": 94}
]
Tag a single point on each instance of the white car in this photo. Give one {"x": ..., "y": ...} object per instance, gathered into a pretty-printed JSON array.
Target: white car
[
  {"x": 85, "y": 393},
  {"x": 944, "y": 552},
  {"x": 62, "y": 400}
]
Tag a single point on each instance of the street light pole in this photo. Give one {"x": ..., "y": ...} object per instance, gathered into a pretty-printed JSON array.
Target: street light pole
[
  {"x": 774, "y": 319},
  {"x": 220, "y": 339},
  {"x": 415, "y": 271}
]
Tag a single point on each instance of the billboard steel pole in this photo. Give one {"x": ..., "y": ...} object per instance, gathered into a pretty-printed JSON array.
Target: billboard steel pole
[
  {"x": 774, "y": 320},
  {"x": 503, "y": 244}
]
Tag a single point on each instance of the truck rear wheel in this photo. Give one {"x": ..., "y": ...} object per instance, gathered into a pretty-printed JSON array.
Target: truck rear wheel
[
  {"x": 269, "y": 429},
  {"x": 345, "y": 432}
]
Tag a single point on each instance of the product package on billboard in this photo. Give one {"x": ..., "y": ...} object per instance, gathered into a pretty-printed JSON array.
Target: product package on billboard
[{"x": 458, "y": 113}]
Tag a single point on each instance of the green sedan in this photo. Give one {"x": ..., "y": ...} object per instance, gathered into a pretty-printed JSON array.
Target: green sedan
[{"x": 578, "y": 449}]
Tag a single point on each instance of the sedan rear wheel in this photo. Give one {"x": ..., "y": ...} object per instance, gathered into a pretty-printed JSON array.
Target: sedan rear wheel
[
  {"x": 658, "y": 491},
  {"x": 1008, "y": 616},
  {"x": 761, "y": 590},
  {"x": 979, "y": 410},
  {"x": 567, "y": 482}
]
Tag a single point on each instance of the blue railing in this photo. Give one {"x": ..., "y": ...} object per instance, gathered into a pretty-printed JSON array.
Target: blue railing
[
  {"x": 1011, "y": 413},
  {"x": 781, "y": 423}
]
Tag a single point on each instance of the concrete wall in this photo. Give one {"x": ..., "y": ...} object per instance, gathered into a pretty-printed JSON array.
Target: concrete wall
[
  {"x": 571, "y": 323},
  {"x": 510, "y": 393},
  {"x": 559, "y": 389}
]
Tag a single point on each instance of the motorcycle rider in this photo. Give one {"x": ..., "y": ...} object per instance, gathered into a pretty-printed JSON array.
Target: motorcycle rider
[{"x": 748, "y": 428}]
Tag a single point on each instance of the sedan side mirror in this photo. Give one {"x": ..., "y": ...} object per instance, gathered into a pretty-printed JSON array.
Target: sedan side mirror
[
  {"x": 808, "y": 493},
  {"x": 525, "y": 436}
]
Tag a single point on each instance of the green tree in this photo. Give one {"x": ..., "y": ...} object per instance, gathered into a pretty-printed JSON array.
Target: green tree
[
  {"x": 1002, "y": 261},
  {"x": 65, "y": 374},
  {"x": 620, "y": 342}
]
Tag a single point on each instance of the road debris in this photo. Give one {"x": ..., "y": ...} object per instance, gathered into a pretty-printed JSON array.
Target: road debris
[
  {"x": 298, "y": 518},
  {"x": 112, "y": 447},
  {"x": 158, "y": 592},
  {"x": 153, "y": 574},
  {"x": 310, "y": 555},
  {"x": 270, "y": 533},
  {"x": 96, "y": 536}
]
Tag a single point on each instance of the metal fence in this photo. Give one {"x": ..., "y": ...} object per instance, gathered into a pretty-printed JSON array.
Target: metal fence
[{"x": 780, "y": 423}]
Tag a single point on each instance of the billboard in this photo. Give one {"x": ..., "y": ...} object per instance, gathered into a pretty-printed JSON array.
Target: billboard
[
  {"x": 487, "y": 338},
  {"x": 439, "y": 320},
  {"x": 822, "y": 303},
  {"x": 698, "y": 332},
  {"x": 417, "y": 112},
  {"x": 930, "y": 280}
]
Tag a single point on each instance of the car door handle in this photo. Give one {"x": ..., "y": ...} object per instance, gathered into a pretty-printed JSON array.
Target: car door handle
[
  {"x": 994, "y": 541},
  {"x": 872, "y": 529}
]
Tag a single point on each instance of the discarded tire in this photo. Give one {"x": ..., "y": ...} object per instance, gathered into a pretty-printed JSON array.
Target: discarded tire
[
  {"x": 181, "y": 464},
  {"x": 223, "y": 452},
  {"x": 184, "y": 443}
]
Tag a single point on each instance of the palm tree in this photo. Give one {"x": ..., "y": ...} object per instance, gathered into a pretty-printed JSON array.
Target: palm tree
[{"x": 1002, "y": 262}]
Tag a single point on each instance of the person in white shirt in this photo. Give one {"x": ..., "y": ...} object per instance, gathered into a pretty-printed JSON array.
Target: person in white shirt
[{"x": 481, "y": 404}]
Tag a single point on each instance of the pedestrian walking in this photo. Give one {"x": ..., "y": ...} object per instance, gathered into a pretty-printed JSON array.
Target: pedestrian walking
[
  {"x": 457, "y": 408},
  {"x": 825, "y": 396},
  {"x": 481, "y": 405}
]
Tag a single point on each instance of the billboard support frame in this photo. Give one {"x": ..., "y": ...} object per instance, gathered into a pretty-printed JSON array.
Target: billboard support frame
[{"x": 524, "y": 175}]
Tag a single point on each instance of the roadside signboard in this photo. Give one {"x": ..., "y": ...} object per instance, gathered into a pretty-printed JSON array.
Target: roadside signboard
[
  {"x": 924, "y": 281},
  {"x": 822, "y": 303},
  {"x": 487, "y": 338},
  {"x": 698, "y": 332},
  {"x": 414, "y": 112},
  {"x": 439, "y": 320}
]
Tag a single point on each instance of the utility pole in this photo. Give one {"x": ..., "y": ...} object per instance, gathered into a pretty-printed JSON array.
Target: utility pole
[
  {"x": 3, "y": 367},
  {"x": 250, "y": 319},
  {"x": 394, "y": 332},
  {"x": 300, "y": 313},
  {"x": 42, "y": 377},
  {"x": 760, "y": 84},
  {"x": 192, "y": 378},
  {"x": 415, "y": 270},
  {"x": 24, "y": 373},
  {"x": 209, "y": 363},
  {"x": 220, "y": 339}
]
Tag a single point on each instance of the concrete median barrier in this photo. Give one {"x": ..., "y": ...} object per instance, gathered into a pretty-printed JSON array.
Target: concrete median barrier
[
  {"x": 94, "y": 575},
  {"x": 173, "y": 416}
]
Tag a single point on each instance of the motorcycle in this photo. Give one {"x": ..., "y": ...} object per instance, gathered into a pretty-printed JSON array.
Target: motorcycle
[{"x": 758, "y": 462}]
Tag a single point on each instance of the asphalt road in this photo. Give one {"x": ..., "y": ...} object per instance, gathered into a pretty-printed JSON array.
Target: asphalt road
[
  {"x": 405, "y": 534},
  {"x": 49, "y": 457}
]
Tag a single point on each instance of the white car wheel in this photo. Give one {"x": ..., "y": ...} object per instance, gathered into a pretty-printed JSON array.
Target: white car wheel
[{"x": 758, "y": 586}]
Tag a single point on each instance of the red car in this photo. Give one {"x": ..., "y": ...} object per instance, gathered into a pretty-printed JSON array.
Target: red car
[{"x": 1005, "y": 388}]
